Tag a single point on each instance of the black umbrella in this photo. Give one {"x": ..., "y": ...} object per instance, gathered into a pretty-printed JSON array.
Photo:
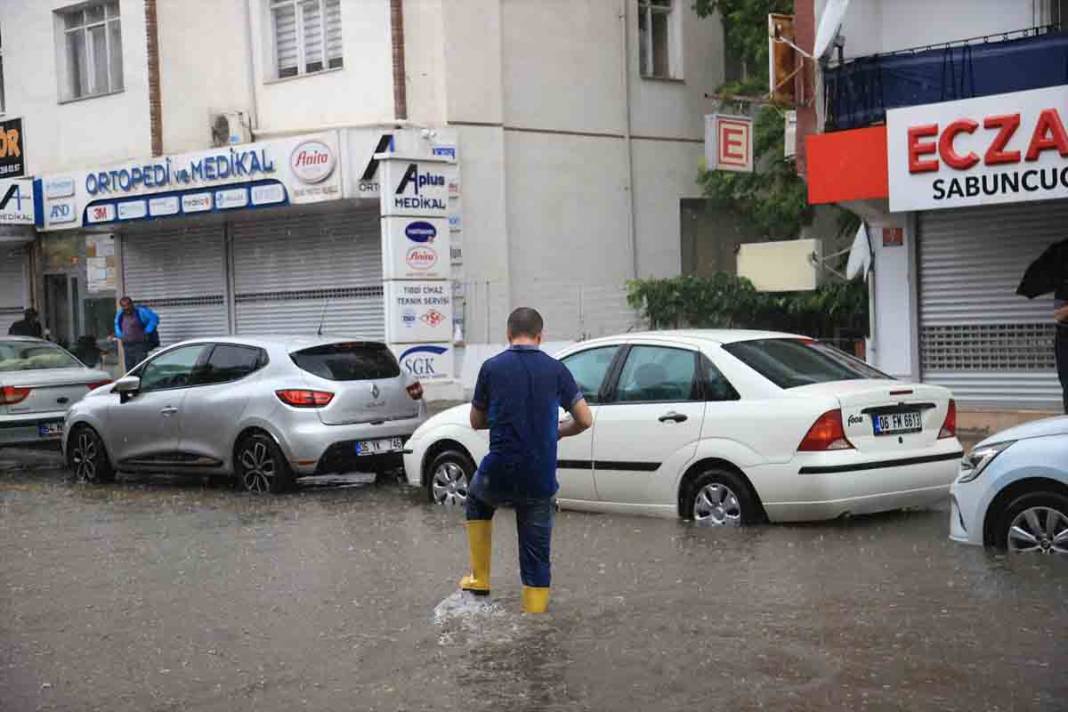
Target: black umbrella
[{"x": 1049, "y": 273}]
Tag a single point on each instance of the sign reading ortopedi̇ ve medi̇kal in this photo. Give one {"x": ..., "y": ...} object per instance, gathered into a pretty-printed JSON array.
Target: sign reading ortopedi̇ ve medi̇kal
[{"x": 1007, "y": 148}]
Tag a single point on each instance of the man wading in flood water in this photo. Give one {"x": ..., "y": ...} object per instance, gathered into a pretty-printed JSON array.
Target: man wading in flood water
[{"x": 517, "y": 396}]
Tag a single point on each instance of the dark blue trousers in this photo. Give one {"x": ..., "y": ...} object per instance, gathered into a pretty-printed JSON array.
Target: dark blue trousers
[{"x": 533, "y": 523}]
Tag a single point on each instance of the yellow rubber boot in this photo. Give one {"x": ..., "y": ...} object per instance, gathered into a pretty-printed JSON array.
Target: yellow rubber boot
[
  {"x": 480, "y": 543},
  {"x": 535, "y": 599}
]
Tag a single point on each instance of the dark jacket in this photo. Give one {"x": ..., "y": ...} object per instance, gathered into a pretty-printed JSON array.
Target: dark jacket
[
  {"x": 24, "y": 327},
  {"x": 1049, "y": 273}
]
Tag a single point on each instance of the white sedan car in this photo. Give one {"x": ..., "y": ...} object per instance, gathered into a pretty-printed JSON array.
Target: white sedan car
[{"x": 727, "y": 427}]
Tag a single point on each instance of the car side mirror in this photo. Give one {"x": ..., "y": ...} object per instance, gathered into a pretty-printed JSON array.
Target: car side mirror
[{"x": 127, "y": 387}]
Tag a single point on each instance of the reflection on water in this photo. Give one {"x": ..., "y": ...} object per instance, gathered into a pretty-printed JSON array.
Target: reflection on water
[{"x": 159, "y": 592}]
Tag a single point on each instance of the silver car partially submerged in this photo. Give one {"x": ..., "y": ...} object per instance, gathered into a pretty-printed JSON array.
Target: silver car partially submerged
[
  {"x": 262, "y": 409},
  {"x": 39, "y": 381}
]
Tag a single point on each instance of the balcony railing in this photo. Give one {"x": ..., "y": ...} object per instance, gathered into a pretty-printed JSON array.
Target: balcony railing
[{"x": 859, "y": 91}]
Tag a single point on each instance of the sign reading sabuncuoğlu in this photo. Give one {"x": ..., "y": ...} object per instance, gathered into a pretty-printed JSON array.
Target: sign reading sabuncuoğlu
[{"x": 1006, "y": 148}]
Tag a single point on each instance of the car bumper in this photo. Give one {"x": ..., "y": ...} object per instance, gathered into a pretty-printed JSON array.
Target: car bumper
[
  {"x": 24, "y": 429},
  {"x": 827, "y": 489},
  {"x": 313, "y": 448},
  {"x": 967, "y": 511}
]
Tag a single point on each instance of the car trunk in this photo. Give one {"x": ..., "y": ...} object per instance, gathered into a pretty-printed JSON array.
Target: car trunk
[
  {"x": 909, "y": 415},
  {"x": 50, "y": 390},
  {"x": 365, "y": 379}
]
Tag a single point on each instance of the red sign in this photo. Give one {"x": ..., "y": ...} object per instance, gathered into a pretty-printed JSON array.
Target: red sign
[
  {"x": 893, "y": 237},
  {"x": 729, "y": 143}
]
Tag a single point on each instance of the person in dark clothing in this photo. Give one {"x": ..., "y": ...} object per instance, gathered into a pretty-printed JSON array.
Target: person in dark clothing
[
  {"x": 136, "y": 326},
  {"x": 518, "y": 395},
  {"x": 1049, "y": 273},
  {"x": 28, "y": 325}
]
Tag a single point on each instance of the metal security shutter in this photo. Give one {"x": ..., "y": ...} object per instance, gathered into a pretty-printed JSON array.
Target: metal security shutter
[
  {"x": 181, "y": 274},
  {"x": 977, "y": 337},
  {"x": 291, "y": 272},
  {"x": 13, "y": 287}
]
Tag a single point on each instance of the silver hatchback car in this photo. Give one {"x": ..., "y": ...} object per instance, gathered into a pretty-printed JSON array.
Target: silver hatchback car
[{"x": 262, "y": 409}]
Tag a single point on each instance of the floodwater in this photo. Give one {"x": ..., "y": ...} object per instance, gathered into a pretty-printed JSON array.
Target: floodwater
[{"x": 158, "y": 593}]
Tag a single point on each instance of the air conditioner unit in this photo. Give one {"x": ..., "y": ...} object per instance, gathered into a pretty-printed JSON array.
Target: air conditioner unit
[{"x": 230, "y": 128}]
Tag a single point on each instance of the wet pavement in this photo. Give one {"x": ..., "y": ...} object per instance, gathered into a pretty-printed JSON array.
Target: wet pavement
[{"x": 159, "y": 593}]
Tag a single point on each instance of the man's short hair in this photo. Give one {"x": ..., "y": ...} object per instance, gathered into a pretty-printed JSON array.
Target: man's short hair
[
  {"x": 125, "y": 299},
  {"x": 30, "y": 313},
  {"x": 525, "y": 321}
]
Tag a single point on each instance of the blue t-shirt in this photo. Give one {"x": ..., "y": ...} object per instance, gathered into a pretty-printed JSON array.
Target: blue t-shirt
[{"x": 521, "y": 391}]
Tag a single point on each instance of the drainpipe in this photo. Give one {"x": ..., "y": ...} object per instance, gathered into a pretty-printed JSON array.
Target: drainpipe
[
  {"x": 396, "y": 25},
  {"x": 155, "y": 107},
  {"x": 254, "y": 110},
  {"x": 631, "y": 219}
]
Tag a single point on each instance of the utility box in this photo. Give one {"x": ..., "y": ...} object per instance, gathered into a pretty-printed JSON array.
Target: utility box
[{"x": 788, "y": 266}]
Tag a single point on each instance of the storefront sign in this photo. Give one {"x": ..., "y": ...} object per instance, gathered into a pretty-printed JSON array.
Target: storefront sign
[
  {"x": 415, "y": 248},
  {"x": 12, "y": 149},
  {"x": 17, "y": 202},
  {"x": 415, "y": 187},
  {"x": 729, "y": 143},
  {"x": 426, "y": 362},
  {"x": 418, "y": 312},
  {"x": 296, "y": 170},
  {"x": 1007, "y": 148}
]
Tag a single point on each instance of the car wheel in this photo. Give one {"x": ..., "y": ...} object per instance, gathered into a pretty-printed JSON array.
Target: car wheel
[
  {"x": 260, "y": 466},
  {"x": 1035, "y": 523},
  {"x": 719, "y": 498},
  {"x": 450, "y": 474},
  {"x": 87, "y": 458}
]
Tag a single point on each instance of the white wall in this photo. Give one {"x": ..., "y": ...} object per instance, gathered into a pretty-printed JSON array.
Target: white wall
[
  {"x": 81, "y": 133},
  {"x": 874, "y": 26},
  {"x": 895, "y": 305},
  {"x": 664, "y": 173}
]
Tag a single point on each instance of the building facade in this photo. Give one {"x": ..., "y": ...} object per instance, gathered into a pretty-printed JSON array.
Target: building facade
[
  {"x": 569, "y": 135},
  {"x": 941, "y": 124}
]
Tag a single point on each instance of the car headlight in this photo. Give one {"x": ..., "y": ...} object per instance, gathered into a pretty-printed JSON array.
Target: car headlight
[{"x": 978, "y": 459}]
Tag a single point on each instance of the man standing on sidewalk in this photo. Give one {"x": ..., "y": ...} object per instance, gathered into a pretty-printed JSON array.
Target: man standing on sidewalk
[
  {"x": 137, "y": 327},
  {"x": 517, "y": 397}
]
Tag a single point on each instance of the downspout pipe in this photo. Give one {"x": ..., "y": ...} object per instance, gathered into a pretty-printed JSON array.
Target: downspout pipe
[
  {"x": 631, "y": 218},
  {"x": 155, "y": 103},
  {"x": 254, "y": 111},
  {"x": 396, "y": 26}
]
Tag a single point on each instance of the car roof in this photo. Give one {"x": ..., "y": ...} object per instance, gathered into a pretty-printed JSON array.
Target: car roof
[
  {"x": 284, "y": 341},
  {"x": 697, "y": 337},
  {"x": 28, "y": 339}
]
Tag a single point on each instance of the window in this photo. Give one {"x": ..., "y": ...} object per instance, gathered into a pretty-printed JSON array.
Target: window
[
  {"x": 307, "y": 36},
  {"x": 658, "y": 39},
  {"x": 33, "y": 355},
  {"x": 790, "y": 363},
  {"x": 589, "y": 369},
  {"x": 348, "y": 362},
  {"x": 172, "y": 369},
  {"x": 656, "y": 374},
  {"x": 716, "y": 385},
  {"x": 230, "y": 362},
  {"x": 92, "y": 44}
]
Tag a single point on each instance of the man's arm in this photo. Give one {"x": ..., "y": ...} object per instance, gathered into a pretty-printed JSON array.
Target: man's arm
[
  {"x": 479, "y": 419},
  {"x": 580, "y": 421},
  {"x": 1061, "y": 314}
]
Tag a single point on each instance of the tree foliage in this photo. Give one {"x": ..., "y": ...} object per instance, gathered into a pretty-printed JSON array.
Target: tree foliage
[{"x": 745, "y": 25}]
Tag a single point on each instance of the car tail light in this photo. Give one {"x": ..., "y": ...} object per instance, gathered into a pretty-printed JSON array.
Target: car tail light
[
  {"x": 949, "y": 427},
  {"x": 415, "y": 390},
  {"x": 302, "y": 398},
  {"x": 827, "y": 433},
  {"x": 10, "y": 395},
  {"x": 93, "y": 385}
]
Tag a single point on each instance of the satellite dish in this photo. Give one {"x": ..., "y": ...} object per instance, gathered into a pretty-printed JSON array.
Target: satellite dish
[
  {"x": 859, "y": 255},
  {"x": 829, "y": 25}
]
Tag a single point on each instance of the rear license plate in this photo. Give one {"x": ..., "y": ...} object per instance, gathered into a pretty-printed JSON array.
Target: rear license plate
[
  {"x": 381, "y": 446},
  {"x": 50, "y": 430},
  {"x": 898, "y": 423}
]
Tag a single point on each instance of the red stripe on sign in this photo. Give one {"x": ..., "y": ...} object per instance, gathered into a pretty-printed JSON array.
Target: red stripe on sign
[{"x": 847, "y": 165}]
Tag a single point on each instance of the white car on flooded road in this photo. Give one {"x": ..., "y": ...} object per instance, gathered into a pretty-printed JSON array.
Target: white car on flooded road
[{"x": 727, "y": 427}]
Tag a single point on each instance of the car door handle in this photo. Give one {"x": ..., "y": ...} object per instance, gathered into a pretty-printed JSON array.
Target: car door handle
[
  {"x": 169, "y": 410},
  {"x": 677, "y": 417}
]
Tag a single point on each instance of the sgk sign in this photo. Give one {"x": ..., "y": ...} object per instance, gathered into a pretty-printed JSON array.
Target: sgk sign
[
  {"x": 729, "y": 143},
  {"x": 1006, "y": 148}
]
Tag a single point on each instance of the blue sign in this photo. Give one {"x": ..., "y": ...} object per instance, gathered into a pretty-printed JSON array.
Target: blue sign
[
  {"x": 420, "y": 231},
  {"x": 234, "y": 164},
  {"x": 263, "y": 193}
]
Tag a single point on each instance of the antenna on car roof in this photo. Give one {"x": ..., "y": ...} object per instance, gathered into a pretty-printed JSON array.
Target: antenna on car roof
[{"x": 322, "y": 317}]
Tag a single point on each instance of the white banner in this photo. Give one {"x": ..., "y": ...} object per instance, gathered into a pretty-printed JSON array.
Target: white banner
[
  {"x": 426, "y": 362},
  {"x": 16, "y": 202},
  {"x": 1007, "y": 148},
  {"x": 415, "y": 248},
  {"x": 418, "y": 312},
  {"x": 415, "y": 187}
]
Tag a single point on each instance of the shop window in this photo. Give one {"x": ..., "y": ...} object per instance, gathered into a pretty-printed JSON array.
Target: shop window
[
  {"x": 658, "y": 39},
  {"x": 307, "y": 36},
  {"x": 91, "y": 42}
]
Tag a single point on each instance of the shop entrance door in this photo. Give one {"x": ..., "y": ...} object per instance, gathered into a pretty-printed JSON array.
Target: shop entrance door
[{"x": 62, "y": 308}]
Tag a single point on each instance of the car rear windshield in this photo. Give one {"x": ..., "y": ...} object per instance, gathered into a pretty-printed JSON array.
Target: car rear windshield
[
  {"x": 34, "y": 355},
  {"x": 790, "y": 363},
  {"x": 348, "y": 362}
]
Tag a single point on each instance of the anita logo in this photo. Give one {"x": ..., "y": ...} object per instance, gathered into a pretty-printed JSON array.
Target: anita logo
[
  {"x": 421, "y": 258},
  {"x": 312, "y": 161}
]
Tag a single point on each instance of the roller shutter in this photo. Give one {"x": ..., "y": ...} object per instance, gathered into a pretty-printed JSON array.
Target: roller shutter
[
  {"x": 181, "y": 274},
  {"x": 977, "y": 337},
  {"x": 290, "y": 272},
  {"x": 14, "y": 291}
]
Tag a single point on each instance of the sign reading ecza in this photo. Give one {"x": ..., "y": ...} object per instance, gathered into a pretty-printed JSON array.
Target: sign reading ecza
[{"x": 1007, "y": 148}]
